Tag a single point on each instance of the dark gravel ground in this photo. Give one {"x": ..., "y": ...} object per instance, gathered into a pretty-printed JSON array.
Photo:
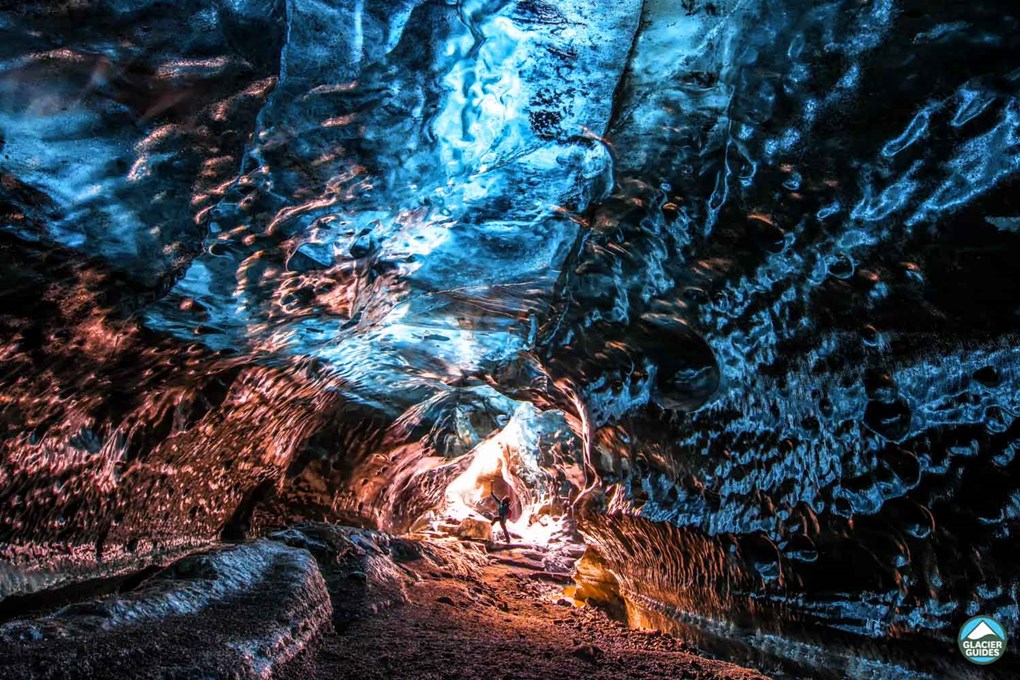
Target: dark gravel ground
[{"x": 496, "y": 616}]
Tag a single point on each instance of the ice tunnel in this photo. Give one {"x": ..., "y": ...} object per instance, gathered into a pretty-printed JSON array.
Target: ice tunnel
[{"x": 685, "y": 316}]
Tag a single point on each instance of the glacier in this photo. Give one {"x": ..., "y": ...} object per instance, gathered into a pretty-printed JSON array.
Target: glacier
[{"x": 730, "y": 284}]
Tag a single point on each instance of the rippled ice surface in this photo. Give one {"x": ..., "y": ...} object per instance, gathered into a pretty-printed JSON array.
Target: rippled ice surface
[{"x": 755, "y": 261}]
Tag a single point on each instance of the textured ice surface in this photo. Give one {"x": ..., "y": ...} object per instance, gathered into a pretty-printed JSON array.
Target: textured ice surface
[
  {"x": 747, "y": 267},
  {"x": 239, "y": 611}
]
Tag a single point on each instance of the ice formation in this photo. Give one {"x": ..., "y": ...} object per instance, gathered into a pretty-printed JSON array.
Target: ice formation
[{"x": 730, "y": 283}]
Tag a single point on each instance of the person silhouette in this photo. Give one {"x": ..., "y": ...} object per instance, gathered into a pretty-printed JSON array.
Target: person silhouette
[{"x": 503, "y": 510}]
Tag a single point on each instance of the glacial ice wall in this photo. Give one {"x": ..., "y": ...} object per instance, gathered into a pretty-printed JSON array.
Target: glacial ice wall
[{"x": 744, "y": 269}]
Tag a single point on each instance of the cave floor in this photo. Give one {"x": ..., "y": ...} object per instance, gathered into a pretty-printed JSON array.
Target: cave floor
[{"x": 502, "y": 616}]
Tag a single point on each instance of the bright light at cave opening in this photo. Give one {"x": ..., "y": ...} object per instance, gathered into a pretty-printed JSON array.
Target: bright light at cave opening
[{"x": 492, "y": 471}]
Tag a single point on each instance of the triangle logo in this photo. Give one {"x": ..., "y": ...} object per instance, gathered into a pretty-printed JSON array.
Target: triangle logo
[{"x": 982, "y": 630}]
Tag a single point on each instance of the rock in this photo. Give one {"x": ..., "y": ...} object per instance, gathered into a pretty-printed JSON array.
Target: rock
[
  {"x": 552, "y": 576},
  {"x": 588, "y": 652},
  {"x": 445, "y": 600},
  {"x": 475, "y": 529},
  {"x": 361, "y": 577},
  {"x": 403, "y": 550}
]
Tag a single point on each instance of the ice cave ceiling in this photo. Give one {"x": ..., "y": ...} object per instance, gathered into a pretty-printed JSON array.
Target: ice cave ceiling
[{"x": 743, "y": 272}]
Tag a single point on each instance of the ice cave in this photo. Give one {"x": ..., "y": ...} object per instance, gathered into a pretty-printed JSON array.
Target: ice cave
[{"x": 509, "y": 339}]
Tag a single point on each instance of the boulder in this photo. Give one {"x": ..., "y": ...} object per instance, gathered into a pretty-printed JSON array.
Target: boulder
[{"x": 474, "y": 528}]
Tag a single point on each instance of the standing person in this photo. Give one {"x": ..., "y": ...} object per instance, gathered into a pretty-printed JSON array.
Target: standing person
[{"x": 503, "y": 510}]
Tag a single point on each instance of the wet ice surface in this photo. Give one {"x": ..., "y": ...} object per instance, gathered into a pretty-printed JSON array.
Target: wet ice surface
[
  {"x": 237, "y": 612},
  {"x": 747, "y": 267}
]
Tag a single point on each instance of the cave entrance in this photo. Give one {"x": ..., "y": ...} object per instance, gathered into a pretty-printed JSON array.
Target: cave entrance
[{"x": 525, "y": 462}]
